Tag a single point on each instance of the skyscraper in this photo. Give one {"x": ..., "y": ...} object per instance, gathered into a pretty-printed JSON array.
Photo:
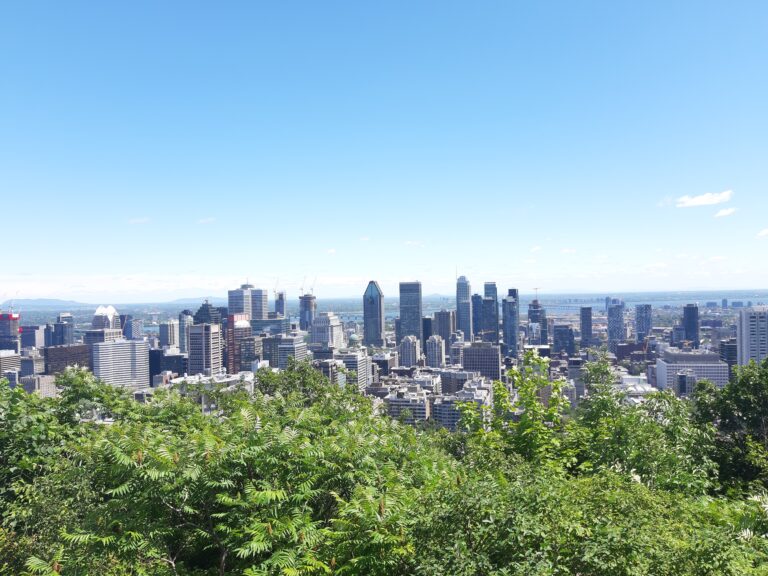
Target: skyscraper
[
  {"x": 435, "y": 351},
  {"x": 490, "y": 291},
  {"x": 326, "y": 331},
  {"x": 585, "y": 326},
  {"x": 238, "y": 329},
  {"x": 444, "y": 324},
  {"x": 410, "y": 310},
  {"x": 185, "y": 321},
  {"x": 121, "y": 363},
  {"x": 489, "y": 319},
  {"x": 616, "y": 329},
  {"x": 259, "y": 304},
  {"x": 477, "y": 316},
  {"x": 207, "y": 314},
  {"x": 752, "y": 335},
  {"x": 563, "y": 340},
  {"x": 169, "y": 333},
  {"x": 9, "y": 331},
  {"x": 483, "y": 357},
  {"x": 464, "y": 307},
  {"x": 373, "y": 315},
  {"x": 409, "y": 351},
  {"x": 106, "y": 317},
  {"x": 281, "y": 308},
  {"x": 204, "y": 349},
  {"x": 538, "y": 331},
  {"x": 239, "y": 300},
  {"x": 643, "y": 322},
  {"x": 307, "y": 310},
  {"x": 510, "y": 316},
  {"x": 691, "y": 324}
]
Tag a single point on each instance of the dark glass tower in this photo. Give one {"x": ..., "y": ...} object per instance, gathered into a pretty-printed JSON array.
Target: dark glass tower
[
  {"x": 510, "y": 317},
  {"x": 691, "y": 324},
  {"x": 537, "y": 315},
  {"x": 307, "y": 311},
  {"x": 585, "y": 326},
  {"x": 643, "y": 324},
  {"x": 477, "y": 315},
  {"x": 373, "y": 315},
  {"x": 410, "y": 310},
  {"x": 464, "y": 307}
]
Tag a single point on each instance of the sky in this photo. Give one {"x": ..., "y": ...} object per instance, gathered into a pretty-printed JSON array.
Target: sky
[{"x": 159, "y": 150}]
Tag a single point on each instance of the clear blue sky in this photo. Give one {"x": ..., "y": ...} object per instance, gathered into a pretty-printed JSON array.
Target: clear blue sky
[{"x": 153, "y": 150}]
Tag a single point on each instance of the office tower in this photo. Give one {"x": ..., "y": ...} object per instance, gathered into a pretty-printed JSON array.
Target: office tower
[
  {"x": 410, "y": 310},
  {"x": 538, "y": 331},
  {"x": 617, "y": 331},
  {"x": 57, "y": 358},
  {"x": 752, "y": 335},
  {"x": 357, "y": 362},
  {"x": 238, "y": 329},
  {"x": 122, "y": 363},
  {"x": 725, "y": 303},
  {"x": 464, "y": 307},
  {"x": 643, "y": 322},
  {"x": 207, "y": 314},
  {"x": 373, "y": 315},
  {"x": 691, "y": 324},
  {"x": 106, "y": 317},
  {"x": 204, "y": 349},
  {"x": 31, "y": 363},
  {"x": 477, "y": 316},
  {"x": 185, "y": 321},
  {"x": 307, "y": 310},
  {"x": 426, "y": 327},
  {"x": 63, "y": 334},
  {"x": 729, "y": 353},
  {"x": 169, "y": 333},
  {"x": 705, "y": 365},
  {"x": 10, "y": 362},
  {"x": 326, "y": 331},
  {"x": 259, "y": 304},
  {"x": 563, "y": 339},
  {"x": 483, "y": 357},
  {"x": 409, "y": 351},
  {"x": 281, "y": 305},
  {"x": 9, "y": 331},
  {"x": 91, "y": 337},
  {"x": 489, "y": 319},
  {"x": 490, "y": 291},
  {"x": 166, "y": 360},
  {"x": 32, "y": 337},
  {"x": 585, "y": 326},
  {"x": 133, "y": 329},
  {"x": 457, "y": 352},
  {"x": 444, "y": 324},
  {"x": 435, "y": 351},
  {"x": 510, "y": 317},
  {"x": 239, "y": 300},
  {"x": 290, "y": 347}
]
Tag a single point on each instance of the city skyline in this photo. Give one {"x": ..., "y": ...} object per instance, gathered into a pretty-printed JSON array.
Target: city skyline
[{"x": 610, "y": 149}]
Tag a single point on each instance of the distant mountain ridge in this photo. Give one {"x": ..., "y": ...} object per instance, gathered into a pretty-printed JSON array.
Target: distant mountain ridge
[{"x": 40, "y": 303}]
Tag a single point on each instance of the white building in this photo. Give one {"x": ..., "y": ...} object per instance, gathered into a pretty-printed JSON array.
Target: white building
[
  {"x": 327, "y": 331},
  {"x": 445, "y": 409},
  {"x": 410, "y": 403},
  {"x": 360, "y": 363},
  {"x": 204, "y": 349},
  {"x": 409, "y": 351},
  {"x": 121, "y": 363},
  {"x": 435, "y": 350},
  {"x": 752, "y": 335},
  {"x": 169, "y": 333},
  {"x": 704, "y": 365}
]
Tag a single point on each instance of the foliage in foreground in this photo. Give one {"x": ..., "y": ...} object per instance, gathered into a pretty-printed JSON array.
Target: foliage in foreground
[{"x": 304, "y": 478}]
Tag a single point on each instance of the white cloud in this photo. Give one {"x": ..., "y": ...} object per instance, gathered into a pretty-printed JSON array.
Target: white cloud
[
  {"x": 568, "y": 250},
  {"x": 207, "y": 220},
  {"x": 725, "y": 212},
  {"x": 331, "y": 251},
  {"x": 707, "y": 199},
  {"x": 140, "y": 220},
  {"x": 763, "y": 233},
  {"x": 535, "y": 249}
]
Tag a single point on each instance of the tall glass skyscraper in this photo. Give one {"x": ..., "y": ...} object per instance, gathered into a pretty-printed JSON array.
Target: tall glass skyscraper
[
  {"x": 691, "y": 324},
  {"x": 585, "y": 326},
  {"x": 464, "y": 308},
  {"x": 373, "y": 315},
  {"x": 510, "y": 318},
  {"x": 410, "y": 310},
  {"x": 643, "y": 323}
]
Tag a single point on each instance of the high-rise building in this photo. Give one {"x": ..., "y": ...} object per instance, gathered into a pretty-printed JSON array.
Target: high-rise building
[
  {"x": 643, "y": 322},
  {"x": 538, "y": 330},
  {"x": 204, "y": 349},
  {"x": 373, "y": 315},
  {"x": 32, "y": 337},
  {"x": 410, "y": 310},
  {"x": 185, "y": 321},
  {"x": 483, "y": 357},
  {"x": 9, "y": 331},
  {"x": 57, "y": 358},
  {"x": 490, "y": 291},
  {"x": 691, "y": 324},
  {"x": 563, "y": 339},
  {"x": 291, "y": 346},
  {"x": 426, "y": 327},
  {"x": 409, "y": 351},
  {"x": 360, "y": 363},
  {"x": 63, "y": 334},
  {"x": 207, "y": 314},
  {"x": 729, "y": 353},
  {"x": 169, "y": 333},
  {"x": 435, "y": 351},
  {"x": 259, "y": 304},
  {"x": 510, "y": 316},
  {"x": 281, "y": 305},
  {"x": 617, "y": 331},
  {"x": 444, "y": 324},
  {"x": 326, "y": 331},
  {"x": 477, "y": 316},
  {"x": 752, "y": 335},
  {"x": 585, "y": 326},
  {"x": 239, "y": 300},
  {"x": 238, "y": 329},
  {"x": 705, "y": 366},
  {"x": 121, "y": 363},
  {"x": 133, "y": 329},
  {"x": 106, "y": 317},
  {"x": 489, "y": 319},
  {"x": 100, "y": 335},
  {"x": 307, "y": 311},
  {"x": 464, "y": 307}
]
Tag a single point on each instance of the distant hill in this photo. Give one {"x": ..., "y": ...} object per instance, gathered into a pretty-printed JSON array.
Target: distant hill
[
  {"x": 198, "y": 301},
  {"x": 43, "y": 303}
]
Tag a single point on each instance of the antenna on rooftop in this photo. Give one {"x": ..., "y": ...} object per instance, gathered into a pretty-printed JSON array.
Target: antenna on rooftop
[{"x": 536, "y": 291}]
